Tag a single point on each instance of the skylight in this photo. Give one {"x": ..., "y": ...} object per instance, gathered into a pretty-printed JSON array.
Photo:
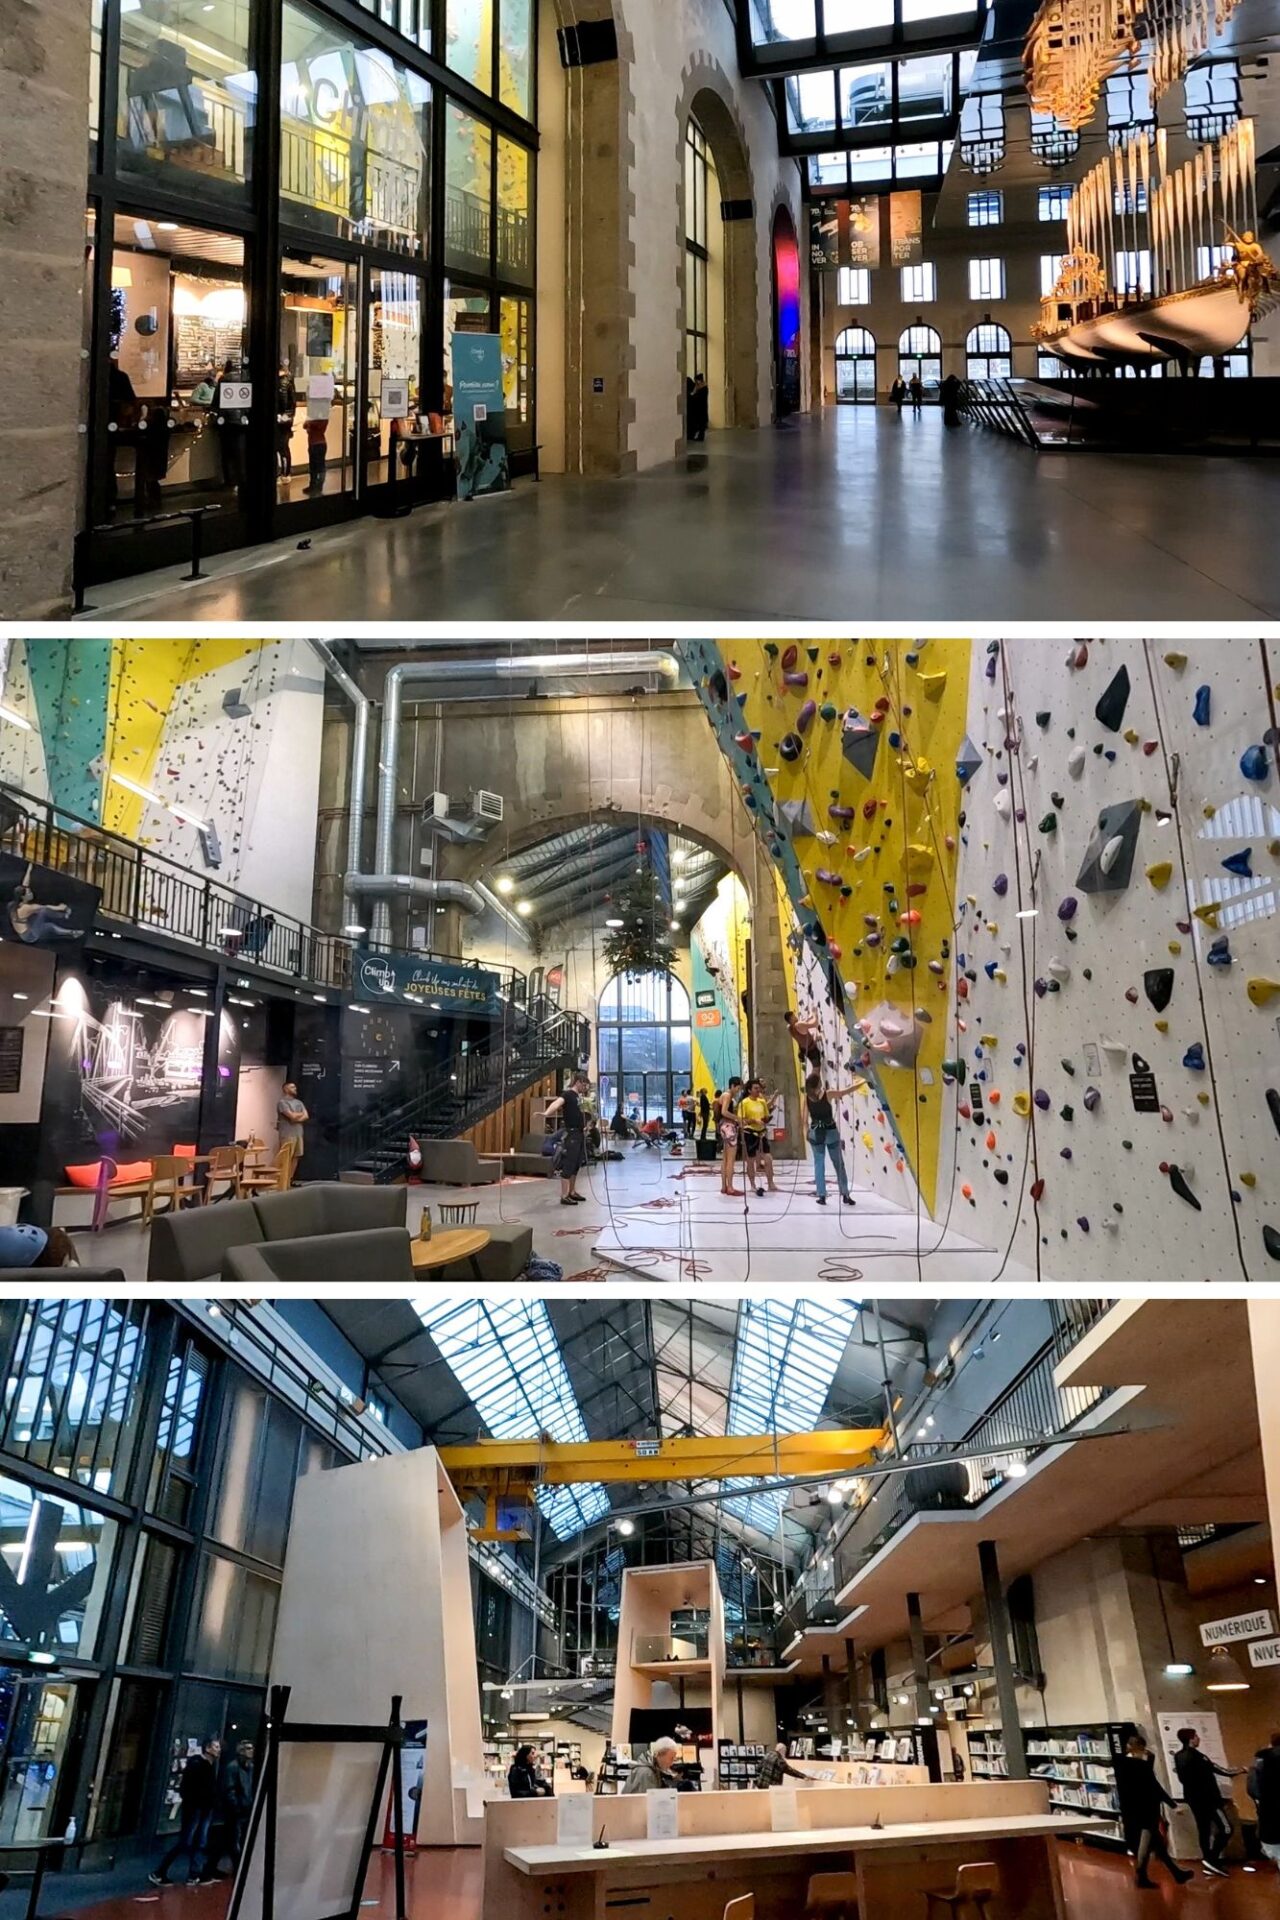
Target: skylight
[
  {"x": 505, "y": 1356},
  {"x": 786, "y": 1358}
]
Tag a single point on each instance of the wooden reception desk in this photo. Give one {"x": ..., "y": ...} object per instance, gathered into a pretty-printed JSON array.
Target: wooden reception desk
[{"x": 899, "y": 1841}]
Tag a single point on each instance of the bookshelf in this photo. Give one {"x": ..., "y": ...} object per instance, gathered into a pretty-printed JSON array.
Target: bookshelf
[
  {"x": 1076, "y": 1762},
  {"x": 737, "y": 1765}
]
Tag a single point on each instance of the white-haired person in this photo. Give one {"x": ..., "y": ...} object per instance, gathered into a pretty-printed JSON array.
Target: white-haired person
[{"x": 653, "y": 1774}]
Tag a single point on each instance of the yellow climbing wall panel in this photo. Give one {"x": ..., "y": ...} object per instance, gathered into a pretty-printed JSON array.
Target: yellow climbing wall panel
[
  {"x": 868, "y": 734},
  {"x": 145, "y": 676}
]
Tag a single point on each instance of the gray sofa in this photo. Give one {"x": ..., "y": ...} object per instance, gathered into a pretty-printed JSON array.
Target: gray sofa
[
  {"x": 455, "y": 1163},
  {"x": 30, "y": 1280},
  {"x": 193, "y": 1244},
  {"x": 374, "y": 1257}
]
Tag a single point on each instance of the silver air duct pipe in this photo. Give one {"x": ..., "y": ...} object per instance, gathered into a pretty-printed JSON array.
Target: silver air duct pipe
[
  {"x": 361, "y": 705},
  {"x": 433, "y": 674},
  {"x": 408, "y": 886}
]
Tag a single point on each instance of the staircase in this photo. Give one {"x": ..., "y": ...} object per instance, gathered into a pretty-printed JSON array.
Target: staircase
[{"x": 470, "y": 1088}]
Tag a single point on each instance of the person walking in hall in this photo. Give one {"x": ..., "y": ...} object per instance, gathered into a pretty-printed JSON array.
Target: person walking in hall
[
  {"x": 898, "y": 393},
  {"x": 699, "y": 408},
  {"x": 753, "y": 1113},
  {"x": 198, "y": 1796},
  {"x": 524, "y": 1782},
  {"x": 824, "y": 1136},
  {"x": 950, "y": 393},
  {"x": 1198, "y": 1777},
  {"x": 237, "y": 1800},
  {"x": 1264, "y": 1787},
  {"x": 917, "y": 392},
  {"x": 573, "y": 1150},
  {"x": 1142, "y": 1802},
  {"x": 727, "y": 1131}
]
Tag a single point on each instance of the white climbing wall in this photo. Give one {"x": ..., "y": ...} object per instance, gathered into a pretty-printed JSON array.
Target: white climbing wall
[{"x": 1113, "y": 966}]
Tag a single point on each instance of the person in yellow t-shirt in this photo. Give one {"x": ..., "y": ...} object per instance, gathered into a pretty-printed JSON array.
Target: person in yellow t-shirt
[{"x": 753, "y": 1116}]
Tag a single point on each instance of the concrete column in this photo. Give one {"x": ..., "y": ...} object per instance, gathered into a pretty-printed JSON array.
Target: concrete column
[
  {"x": 1015, "y": 1751},
  {"x": 919, "y": 1658},
  {"x": 851, "y": 1688},
  {"x": 44, "y": 110},
  {"x": 831, "y": 1696},
  {"x": 1264, "y": 1339}
]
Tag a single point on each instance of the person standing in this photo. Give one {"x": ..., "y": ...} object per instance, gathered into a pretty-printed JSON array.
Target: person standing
[
  {"x": 198, "y": 1796},
  {"x": 237, "y": 1799},
  {"x": 727, "y": 1131},
  {"x": 775, "y": 1768},
  {"x": 1142, "y": 1802},
  {"x": 753, "y": 1113},
  {"x": 898, "y": 393},
  {"x": 1265, "y": 1788},
  {"x": 573, "y": 1151},
  {"x": 824, "y": 1136},
  {"x": 653, "y": 1773},
  {"x": 1198, "y": 1777},
  {"x": 917, "y": 393},
  {"x": 950, "y": 394},
  {"x": 688, "y": 1112},
  {"x": 704, "y": 1112},
  {"x": 291, "y": 1118},
  {"x": 524, "y": 1781},
  {"x": 286, "y": 408}
]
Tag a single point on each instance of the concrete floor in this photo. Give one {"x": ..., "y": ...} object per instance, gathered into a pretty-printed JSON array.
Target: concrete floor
[
  {"x": 664, "y": 1222},
  {"x": 855, "y": 514}
]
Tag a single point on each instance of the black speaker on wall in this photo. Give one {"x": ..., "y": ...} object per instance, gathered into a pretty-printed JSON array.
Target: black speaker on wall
[{"x": 589, "y": 44}]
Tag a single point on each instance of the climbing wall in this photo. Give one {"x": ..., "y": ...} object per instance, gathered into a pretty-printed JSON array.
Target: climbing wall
[
  {"x": 1096, "y": 1090},
  {"x": 718, "y": 976},
  {"x": 845, "y": 752},
  {"x": 227, "y": 731}
]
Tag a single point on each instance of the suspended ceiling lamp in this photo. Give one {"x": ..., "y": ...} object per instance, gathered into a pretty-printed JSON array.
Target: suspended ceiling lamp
[{"x": 1224, "y": 1674}]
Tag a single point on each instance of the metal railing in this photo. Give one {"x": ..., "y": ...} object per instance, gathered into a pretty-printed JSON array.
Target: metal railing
[
  {"x": 147, "y": 890},
  {"x": 467, "y": 1089}
]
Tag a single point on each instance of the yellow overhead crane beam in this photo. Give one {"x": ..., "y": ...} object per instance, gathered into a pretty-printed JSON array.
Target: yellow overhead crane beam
[{"x": 513, "y": 1470}]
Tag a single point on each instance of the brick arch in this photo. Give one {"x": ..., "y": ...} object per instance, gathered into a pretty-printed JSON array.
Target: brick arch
[{"x": 707, "y": 95}]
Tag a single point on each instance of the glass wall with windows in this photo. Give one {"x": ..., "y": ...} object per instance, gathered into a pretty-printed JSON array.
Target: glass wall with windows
[
  {"x": 856, "y": 366},
  {"x": 920, "y": 352},
  {"x": 644, "y": 1046},
  {"x": 284, "y": 243}
]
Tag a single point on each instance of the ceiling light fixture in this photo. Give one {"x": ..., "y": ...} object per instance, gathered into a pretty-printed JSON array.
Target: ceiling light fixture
[
  {"x": 524, "y": 908},
  {"x": 1224, "y": 1675},
  {"x": 505, "y": 884},
  {"x": 16, "y": 719}
]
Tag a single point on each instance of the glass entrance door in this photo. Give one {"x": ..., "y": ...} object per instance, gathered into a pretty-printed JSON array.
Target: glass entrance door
[
  {"x": 36, "y": 1718},
  {"x": 856, "y": 379},
  {"x": 315, "y": 397}
]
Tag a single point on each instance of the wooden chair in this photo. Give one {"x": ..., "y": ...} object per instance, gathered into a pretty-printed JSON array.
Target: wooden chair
[
  {"x": 743, "y": 1908},
  {"x": 226, "y": 1164},
  {"x": 831, "y": 1896},
  {"x": 170, "y": 1180},
  {"x": 977, "y": 1885},
  {"x": 277, "y": 1178}
]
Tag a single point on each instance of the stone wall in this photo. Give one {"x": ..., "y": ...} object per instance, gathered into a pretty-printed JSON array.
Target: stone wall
[{"x": 44, "y": 64}]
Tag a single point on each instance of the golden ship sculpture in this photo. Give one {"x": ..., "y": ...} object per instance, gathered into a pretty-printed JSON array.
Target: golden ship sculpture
[
  {"x": 1074, "y": 46},
  {"x": 1209, "y": 276}
]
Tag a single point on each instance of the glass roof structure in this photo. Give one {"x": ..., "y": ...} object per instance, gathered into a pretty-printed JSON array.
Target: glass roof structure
[
  {"x": 506, "y": 1358},
  {"x": 785, "y": 1360}
]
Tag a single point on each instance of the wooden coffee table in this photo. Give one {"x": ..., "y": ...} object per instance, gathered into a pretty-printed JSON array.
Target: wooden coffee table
[{"x": 442, "y": 1249}]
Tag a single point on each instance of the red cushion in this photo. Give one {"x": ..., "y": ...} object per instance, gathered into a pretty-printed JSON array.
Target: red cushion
[
  {"x": 187, "y": 1153},
  {"x": 125, "y": 1176}
]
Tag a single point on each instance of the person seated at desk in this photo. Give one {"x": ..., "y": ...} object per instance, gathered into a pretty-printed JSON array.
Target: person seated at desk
[
  {"x": 775, "y": 1767},
  {"x": 654, "y": 1773},
  {"x": 524, "y": 1782}
]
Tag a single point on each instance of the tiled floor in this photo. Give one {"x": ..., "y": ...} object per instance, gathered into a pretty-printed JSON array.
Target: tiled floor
[
  {"x": 446, "y": 1885},
  {"x": 852, "y": 515}
]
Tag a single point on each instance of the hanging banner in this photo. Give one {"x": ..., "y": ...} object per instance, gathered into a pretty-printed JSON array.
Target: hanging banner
[
  {"x": 859, "y": 223},
  {"x": 906, "y": 229},
  {"x": 432, "y": 985},
  {"x": 824, "y": 235},
  {"x": 480, "y": 415}
]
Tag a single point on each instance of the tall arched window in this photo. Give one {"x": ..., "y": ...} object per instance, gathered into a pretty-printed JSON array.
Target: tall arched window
[
  {"x": 643, "y": 1045},
  {"x": 703, "y": 270},
  {"x": 920, "y": 351},
  {"x": 856, "y": 365},
  {"x": 989, "y": 353}
]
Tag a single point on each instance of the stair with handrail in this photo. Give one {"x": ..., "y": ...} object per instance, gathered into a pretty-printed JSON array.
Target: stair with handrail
[{"x": 458, "y": 1096}]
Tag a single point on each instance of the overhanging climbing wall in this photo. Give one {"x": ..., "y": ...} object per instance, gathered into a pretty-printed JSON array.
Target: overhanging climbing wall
[
  {"x": 846, "y": 753},
  {"x": 1097, "y": 1083}
]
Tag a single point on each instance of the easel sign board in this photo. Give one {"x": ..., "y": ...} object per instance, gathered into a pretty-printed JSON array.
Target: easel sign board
[{"x": 321, "y": 1834}]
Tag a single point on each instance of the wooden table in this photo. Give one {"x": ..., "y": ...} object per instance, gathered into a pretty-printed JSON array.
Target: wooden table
[
  {"x": 692, "y": 1876},
  {"x": 442, "y": 1249}
]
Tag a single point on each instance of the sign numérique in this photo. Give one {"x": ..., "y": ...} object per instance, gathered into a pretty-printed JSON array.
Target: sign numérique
[{"x": 432, "y": 985}]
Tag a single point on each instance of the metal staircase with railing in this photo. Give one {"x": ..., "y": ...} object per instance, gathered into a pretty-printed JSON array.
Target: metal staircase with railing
[{"x": 468, "y": 1089}]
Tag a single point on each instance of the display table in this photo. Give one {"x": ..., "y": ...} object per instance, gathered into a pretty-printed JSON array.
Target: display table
[{"x": 692, "y": 1876}]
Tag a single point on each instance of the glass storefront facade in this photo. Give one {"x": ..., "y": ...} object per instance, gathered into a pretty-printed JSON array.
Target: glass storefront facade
[
  {"x": 146, "y": 1485},
  {"x": 291, "y": 208}
]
